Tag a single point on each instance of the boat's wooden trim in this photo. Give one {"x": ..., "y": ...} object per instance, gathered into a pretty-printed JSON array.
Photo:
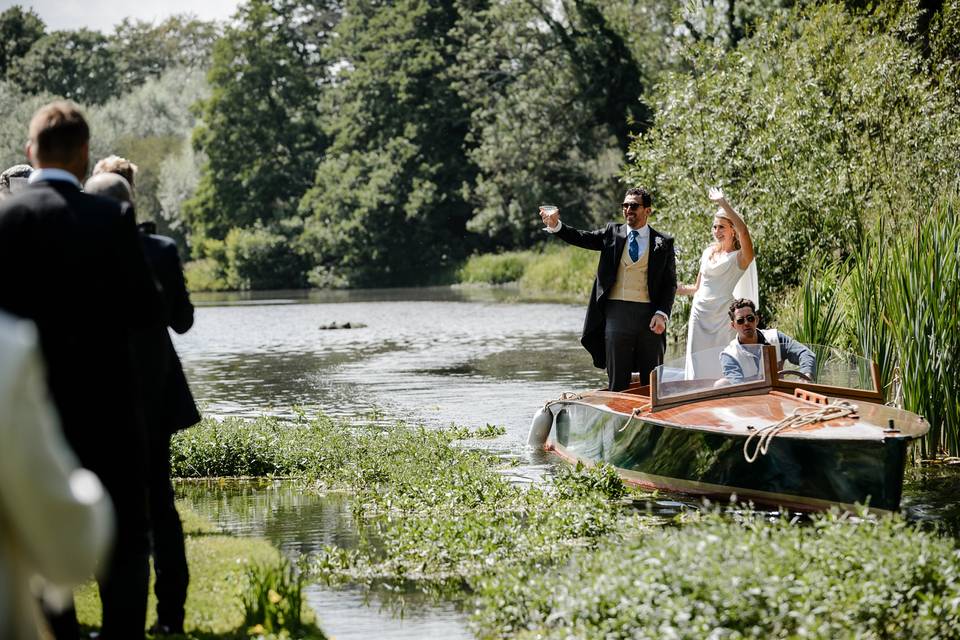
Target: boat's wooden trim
[{"x": 677, "y": 485}]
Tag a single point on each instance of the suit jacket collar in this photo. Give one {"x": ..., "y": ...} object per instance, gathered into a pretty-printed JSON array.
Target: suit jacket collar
[{"x": 58, "y": 176}]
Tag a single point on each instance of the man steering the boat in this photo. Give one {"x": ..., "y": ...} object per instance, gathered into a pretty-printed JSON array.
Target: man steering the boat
[
  {"x": 626, "y": 322},
  {"x": 741, "y": 364}
]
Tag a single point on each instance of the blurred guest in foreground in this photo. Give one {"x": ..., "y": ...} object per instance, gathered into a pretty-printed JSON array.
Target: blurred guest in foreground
[{"x": 55, "y": 518}]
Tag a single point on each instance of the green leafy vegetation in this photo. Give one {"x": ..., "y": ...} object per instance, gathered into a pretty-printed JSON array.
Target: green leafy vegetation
[
  {"x": 714, "y": 577},
  {"x": 273, "y": 601}
]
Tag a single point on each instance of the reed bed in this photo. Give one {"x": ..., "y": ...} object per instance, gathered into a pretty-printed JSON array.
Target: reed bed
[{"x": 897, "y": 299}]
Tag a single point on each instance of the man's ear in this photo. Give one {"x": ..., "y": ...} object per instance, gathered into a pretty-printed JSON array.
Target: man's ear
[{"x": 28, "y": 149}]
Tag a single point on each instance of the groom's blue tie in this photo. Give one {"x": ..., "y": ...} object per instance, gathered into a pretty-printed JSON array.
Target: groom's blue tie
[{"x": 634, "y": 246}]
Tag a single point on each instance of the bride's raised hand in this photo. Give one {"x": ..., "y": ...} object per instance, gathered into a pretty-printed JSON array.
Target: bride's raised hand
[{"x": 716, "y": 195}]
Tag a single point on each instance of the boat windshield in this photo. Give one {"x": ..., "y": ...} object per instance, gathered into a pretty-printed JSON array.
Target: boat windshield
[
  {"x": 720, "y": 367},
  {"x": 832, "y": 367},
  {"x": 743, "y": 366}
]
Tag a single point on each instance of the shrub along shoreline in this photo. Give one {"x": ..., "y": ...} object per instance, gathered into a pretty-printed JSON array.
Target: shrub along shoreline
[{"x": 574, "y": 557}]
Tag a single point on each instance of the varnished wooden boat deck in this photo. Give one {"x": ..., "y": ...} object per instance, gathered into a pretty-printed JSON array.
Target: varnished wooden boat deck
[{"x": 743, "y": 414}]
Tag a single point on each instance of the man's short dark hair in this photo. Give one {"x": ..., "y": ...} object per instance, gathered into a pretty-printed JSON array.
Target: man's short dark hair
[
  {"x": 645, "y": 198},
  {"x": 57, "y": 132},
  {"x": 740, "y": 303}
]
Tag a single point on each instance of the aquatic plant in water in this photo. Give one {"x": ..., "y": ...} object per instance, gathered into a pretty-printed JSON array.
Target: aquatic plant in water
[{"x": 570, "y": 558}]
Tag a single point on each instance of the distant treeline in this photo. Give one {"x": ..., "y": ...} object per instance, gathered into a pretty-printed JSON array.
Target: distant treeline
[{"x": 357, "y": 143}]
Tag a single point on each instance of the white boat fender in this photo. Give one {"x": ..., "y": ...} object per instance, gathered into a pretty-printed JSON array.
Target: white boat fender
[{"x": 540, "y": 427}]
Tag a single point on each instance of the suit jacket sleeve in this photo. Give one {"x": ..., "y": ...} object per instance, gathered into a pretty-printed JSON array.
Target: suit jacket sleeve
[
  {"x": 175, "y": 288},
  {"x": 145, "y": 305},
  {"x": 668, "y": 289},
  {"x": 592, "y": 240}
]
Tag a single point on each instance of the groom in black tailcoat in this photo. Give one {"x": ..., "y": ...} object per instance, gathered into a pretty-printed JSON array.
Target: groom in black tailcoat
[
  {"x": 72, "y": 263},
  {"x": 626, "y": 322}
]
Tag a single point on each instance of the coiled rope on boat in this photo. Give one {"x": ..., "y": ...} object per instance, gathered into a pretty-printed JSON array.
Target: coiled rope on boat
[{"x": 765, "y": 435}]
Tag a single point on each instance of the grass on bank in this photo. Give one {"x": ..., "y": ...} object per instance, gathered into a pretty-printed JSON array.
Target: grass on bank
[
  {"x": 239, "y": 588},
  {"x": 572, "y": 557},
  {"x": 560, "y": 270}
]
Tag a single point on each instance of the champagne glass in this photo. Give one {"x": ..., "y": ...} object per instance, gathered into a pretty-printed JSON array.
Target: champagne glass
[{"x": 549, "y": 209}]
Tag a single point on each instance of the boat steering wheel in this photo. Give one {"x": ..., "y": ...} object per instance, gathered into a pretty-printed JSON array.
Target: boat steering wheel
[{"x": 793, "y": 372}]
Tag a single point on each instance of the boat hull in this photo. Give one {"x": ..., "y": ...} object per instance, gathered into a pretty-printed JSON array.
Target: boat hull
[{"x": 798, "y": 473}]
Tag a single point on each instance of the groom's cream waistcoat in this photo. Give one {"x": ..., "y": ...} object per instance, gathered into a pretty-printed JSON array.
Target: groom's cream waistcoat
[{"x": 631, "y": 284}]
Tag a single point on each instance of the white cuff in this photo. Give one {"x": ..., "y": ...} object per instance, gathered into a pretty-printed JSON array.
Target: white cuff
[{"x": 661, "y": 313}]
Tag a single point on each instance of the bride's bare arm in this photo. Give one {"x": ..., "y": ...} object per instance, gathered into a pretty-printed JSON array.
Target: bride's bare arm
[
  {"x": 689, "y": 289},
  {"x": 746, "y": 242}
]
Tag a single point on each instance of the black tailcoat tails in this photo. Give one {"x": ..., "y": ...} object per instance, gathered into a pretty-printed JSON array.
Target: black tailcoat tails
[{"x": 610, "y": 242}]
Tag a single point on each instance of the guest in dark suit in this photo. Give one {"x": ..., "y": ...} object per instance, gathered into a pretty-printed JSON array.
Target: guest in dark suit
[
  {"x": 167, "y": 401},
  {"x": 72, "y": 263},
  {"x": 625, "y": 326}
]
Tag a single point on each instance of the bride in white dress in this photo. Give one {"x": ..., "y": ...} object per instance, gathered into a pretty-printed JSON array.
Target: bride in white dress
[{"x": 727, "y": 271}]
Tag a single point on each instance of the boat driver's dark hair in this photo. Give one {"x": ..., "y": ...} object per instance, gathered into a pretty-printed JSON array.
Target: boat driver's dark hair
[
  {"x": 740, "y": 303},
  {"x": 645, "y": 198}
]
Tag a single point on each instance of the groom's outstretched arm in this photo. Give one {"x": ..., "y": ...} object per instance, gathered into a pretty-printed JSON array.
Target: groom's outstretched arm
[{"x": 592, "y": 240}]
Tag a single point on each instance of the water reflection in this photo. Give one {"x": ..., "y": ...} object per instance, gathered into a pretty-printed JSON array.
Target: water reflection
[{"x": 300, "y": 521}]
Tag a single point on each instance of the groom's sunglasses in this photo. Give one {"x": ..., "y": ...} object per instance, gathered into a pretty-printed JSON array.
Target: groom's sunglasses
[
  {"x": 631, "y": 205},
  {"x": 746, "y": 319}
]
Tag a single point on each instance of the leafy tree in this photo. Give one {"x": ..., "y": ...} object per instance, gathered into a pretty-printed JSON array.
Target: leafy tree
[
  {"x": 144, "y": 50},
  {"x": 554, "y": 91},
  {"x": 19, "y": 29},
  {"x": 17, "y": 109},
  {"x": 72, "y": 64},
  {"x": 259, "y": 131},
  {"x": 179, "y": 176},
  {"x": 387, "y": 205},
  {"x": 818, "y": 125}
]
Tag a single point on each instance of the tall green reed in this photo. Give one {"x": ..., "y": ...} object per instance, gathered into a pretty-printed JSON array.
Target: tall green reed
[
  {"x": 923, "y": 313},
  {"x": 866, "y": 290},
  {"x": 820, "y": 319}
]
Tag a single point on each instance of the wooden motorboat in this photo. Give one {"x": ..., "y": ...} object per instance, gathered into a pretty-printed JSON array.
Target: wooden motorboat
[{"x": 773, "y": 439}]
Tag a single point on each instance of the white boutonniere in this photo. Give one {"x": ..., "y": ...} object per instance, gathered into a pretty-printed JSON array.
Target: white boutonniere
[{"x": 657, "y": 242}]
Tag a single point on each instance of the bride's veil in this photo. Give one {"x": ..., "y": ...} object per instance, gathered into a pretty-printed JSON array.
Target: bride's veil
[{"x": 748, "y": 286}]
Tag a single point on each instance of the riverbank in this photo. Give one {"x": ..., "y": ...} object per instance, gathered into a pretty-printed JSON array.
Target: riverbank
[
  {"x": 233, "y": 592},
  {"x": 435, "y": 510}
]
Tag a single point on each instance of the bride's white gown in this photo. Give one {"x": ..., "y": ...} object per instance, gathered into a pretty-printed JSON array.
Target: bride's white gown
[{"x": 721, "y": 280}]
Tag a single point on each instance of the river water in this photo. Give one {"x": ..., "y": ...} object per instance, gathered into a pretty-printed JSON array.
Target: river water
[{"x": 434, "y": 355}]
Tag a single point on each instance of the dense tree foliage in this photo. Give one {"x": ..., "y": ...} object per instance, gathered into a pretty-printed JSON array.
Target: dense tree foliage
[
  {"x": 259, "y": 131},
  {"x": 554, "y": 94},
  {"x": 143, "y": 50},
  {"x": 19, "y": 29},
  {"x": 387, "y": 206},
  {"x": 821, "y": 123},
  {"x": 74, "y": 64}
]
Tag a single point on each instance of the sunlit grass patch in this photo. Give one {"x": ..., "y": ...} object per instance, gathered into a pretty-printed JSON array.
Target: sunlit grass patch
[{"x": 221, "y": 567}]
